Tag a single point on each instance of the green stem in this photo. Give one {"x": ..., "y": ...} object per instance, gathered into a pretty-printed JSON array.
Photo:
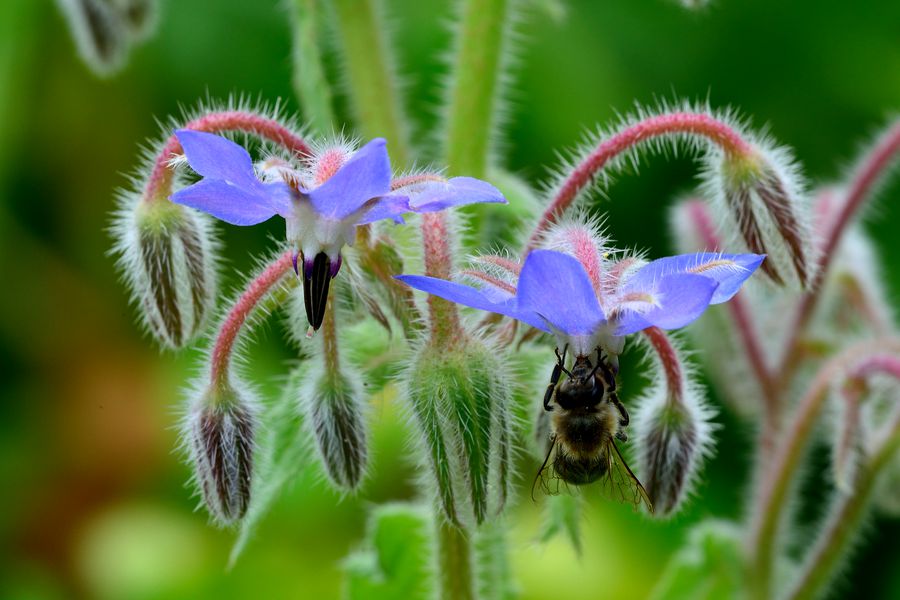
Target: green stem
[
  {"x": 454, "y": 563},
  {"x": 310, "y": 83},
  {"x": 370, "y": 73},
  {"x": 474, "y": 90},
  {"x": 843, "y": 523}
]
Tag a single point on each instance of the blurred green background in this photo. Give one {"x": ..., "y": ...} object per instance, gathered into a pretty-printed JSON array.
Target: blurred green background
[{"x": 94, "y": 502}]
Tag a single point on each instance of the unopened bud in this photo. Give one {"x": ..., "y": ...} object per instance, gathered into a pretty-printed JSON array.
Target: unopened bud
[
  {"x": 762, "y": 196},
  {"x": 99, "y": 33},
  {"x": 459, "y": 399},
  {"x": 673, "y": 433},
  {"x": 220, "y": 433},
  {"x": 166, "y": 253},
  {"x": 139, "y": 16},
  {"x": 333, "y": 408}
]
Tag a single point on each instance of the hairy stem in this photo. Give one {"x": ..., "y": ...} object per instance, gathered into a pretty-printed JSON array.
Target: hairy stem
[
  {"x": 328, "y": 330},
  {"x": 844, "y": 519},
  {"x": 370, "y": 72},
  {"x": 668, "y": 358},
  {"x": 443, "y": 315},
  {"x": 476, "y": 81},
  {"x": 771, "y": 495},
  {"x": 159, "y": 186},
  {"x": 240, "y": 312},
  {"x": 700, "y": 124},
  {"x": 310, "y": 83},
  {"x": 864, "y": 182},
  {"x": 457, "y": 581}
]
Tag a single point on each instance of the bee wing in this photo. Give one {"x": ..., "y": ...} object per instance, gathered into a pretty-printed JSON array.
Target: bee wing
[
  {"x": 620, "y": 483},
  {"x": 547, "y": 477}
]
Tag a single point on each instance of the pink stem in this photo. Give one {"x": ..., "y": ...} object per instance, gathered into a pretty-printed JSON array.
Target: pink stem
[
  {"x": 740, "y": 313},
  {"x": 872, "y": 168},
  {"x": 237, "y": 316},
  {"x": 668, "y": 357},
  {"x": 886, "y": 364},
  {"x": 443, "y": 314},
  {"x": 667, "y": 124},
  {"x": 160, "y": 183}
]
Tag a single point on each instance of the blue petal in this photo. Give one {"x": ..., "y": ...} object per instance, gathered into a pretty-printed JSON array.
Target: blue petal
[
  {"x": 216, "y": 157},
  {"x": 365, "y": 176},
  {"x": 457, "y": 191},
  {"x": 729, "y": 270},
  {"x": 681, "y": 298},
  {"x": 387, "y": 207},
  {"x": 230, "y": 203},
  {"x": 555, "y": 286}
]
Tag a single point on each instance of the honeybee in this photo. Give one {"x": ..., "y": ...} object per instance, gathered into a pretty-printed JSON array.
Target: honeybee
[{"x": 585, "y": 420}]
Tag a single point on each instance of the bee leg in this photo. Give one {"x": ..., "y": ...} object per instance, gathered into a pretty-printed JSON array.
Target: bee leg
[
  {"x": 554, "y": 379},
  {"x": 621, "y": 435}
]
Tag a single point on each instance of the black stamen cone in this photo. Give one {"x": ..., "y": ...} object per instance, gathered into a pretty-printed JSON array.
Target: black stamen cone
[{"x": 315, "y": 289}]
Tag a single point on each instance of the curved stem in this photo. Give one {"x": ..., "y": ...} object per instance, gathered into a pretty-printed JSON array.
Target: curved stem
[
  {"x": 668, "y": 358},
  {"x": 257, "y": 289},
  {"x": 700, "y": 124},
  {"x": 473, "y": 94},
  {"x": 159, "y": 186},
  {"x": 844, "y": 520},
  {"x": 772, "y": 490},
  {"x": 865, "y": 180},
  {"x": 443, "y": 315}
]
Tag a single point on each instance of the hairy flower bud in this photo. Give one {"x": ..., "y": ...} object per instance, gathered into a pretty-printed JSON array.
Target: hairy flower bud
[
  {"x": 459, "y": 400},
  {"x": 673, "y": 431},
  {"x": 99, "y": 33},
  {"x": 167, "y": 254},
  {"x": 332, "y": 405},
  {"x": 762, "y": 197},
  {"x": 220, "y": 434}
]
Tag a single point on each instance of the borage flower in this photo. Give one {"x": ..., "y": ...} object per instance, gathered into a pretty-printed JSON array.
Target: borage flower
[
  {"x": 555, "y": 293},
  {"x": 322, "y": 200}
]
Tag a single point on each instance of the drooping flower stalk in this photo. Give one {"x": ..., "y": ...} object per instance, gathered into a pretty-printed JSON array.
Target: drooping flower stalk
[
  {"x": 442, "y": 314},
  {"x": 781, "y": 470},
  {"x": 159, "y": 185},
  {"x": 871, "y": 171},
  {"x": 583, "y": 175},
  {"x": 221, "y": 357}
]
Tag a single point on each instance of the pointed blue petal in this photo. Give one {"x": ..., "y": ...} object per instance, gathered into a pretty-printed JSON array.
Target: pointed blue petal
[
  {"x": 457, "y": 191},
  {"x": 365, "y": 176},
  {"x": 227, "y": 202},
  {"x": 729, "y": 270},
  {"x": 555, "y": 286},
  {"x": 387, "y": 207},
  {"x": 680, "y": 299},
  {"x": 216, "y": 157}
]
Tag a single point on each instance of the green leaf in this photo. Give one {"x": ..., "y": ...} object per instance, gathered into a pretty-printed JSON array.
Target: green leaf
[
  {"x": 396, "y": 557},
  {"x": 282, "y": 459},
  {"x": 562, "y": 515},
  {"x": 708, "y": 567}
]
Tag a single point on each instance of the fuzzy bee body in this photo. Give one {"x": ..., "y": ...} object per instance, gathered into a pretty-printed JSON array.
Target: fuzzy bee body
[{"x": 586, "y": 420}]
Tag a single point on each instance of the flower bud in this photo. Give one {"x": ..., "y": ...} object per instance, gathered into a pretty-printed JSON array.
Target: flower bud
[
  {"x": 167, "y": 254},
  {"x": 762, "y": 197},
  {"x": 139, "y": 16},
  {"x": 459, "y": 400},
  {"x": 220, "y": 434},
  {"x": 333, "y": 409},
  {"x": 673, "y": 432},
  {"x": 99, "y": 33}
]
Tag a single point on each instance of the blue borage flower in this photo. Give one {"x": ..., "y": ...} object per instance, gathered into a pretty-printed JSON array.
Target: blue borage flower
[
  {"x": 555, "y": 294},
  {"x": 322, "y": 200}
]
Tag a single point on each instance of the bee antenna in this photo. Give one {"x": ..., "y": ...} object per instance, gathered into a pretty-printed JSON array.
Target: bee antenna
[{"x": 543, "y": 466}]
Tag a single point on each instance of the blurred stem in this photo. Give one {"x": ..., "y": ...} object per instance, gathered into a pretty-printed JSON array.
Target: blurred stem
[
  {"x": 871, "y": 170},
  {"x": 475, "y": 85},
  {"x": 842, "y": 524},
  {"x": 454, "y": 562},
  {"x": 256, "y": 291},
  {"x": 159, "y": 186},
  {"x": 310, "y": 83},
  {"x": 771, "y": 495},
  {"x": 585, "y": 173},
  {"x": 370, "y": 72},
  {"x": 446, "y": 330}
]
